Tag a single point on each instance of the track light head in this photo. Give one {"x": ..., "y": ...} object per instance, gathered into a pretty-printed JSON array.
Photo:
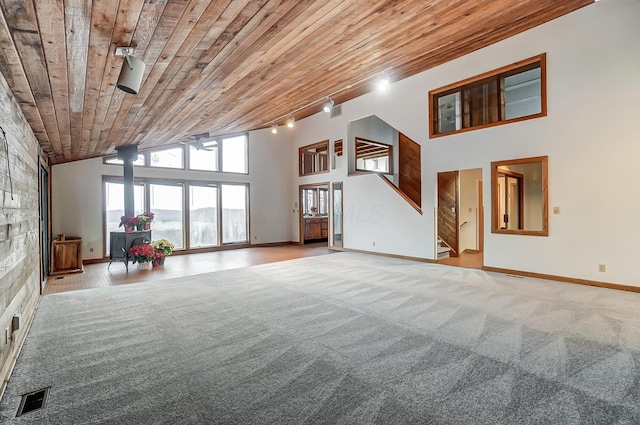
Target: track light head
[
  {"x": 383, "y": 82},
  {"x": 274, "y": 128},
  {"x": 290, "y": 121},
  {"x": 132, "y": 71},
  {"x": 328, "y": 105}
]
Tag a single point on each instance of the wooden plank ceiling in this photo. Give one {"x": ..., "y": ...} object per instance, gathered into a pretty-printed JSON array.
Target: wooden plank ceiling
[{"x": 224, "y": 66}]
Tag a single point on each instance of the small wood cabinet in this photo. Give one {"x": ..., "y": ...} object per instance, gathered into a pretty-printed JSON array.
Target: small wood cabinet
[
  {"x": 316, "y": 228},
  {"x": 121, "y": 242},
  {"x": 66, "y": 255}
]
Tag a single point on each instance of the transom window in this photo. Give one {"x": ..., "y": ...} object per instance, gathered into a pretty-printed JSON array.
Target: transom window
[
  {"x": 226, "y": 154},
  {"x": 512, "y": 93}
]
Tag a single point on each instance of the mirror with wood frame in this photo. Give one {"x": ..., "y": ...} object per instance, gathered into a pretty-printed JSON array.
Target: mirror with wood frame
[{"x": 519, "y": 193}]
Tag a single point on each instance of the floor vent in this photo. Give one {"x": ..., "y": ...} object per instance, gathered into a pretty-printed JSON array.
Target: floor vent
[
  {"x": 33, "y": 401},
  {"x": 513, "y": 275}
]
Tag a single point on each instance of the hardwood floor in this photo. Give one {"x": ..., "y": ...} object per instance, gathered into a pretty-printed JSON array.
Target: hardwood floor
[
  {"x": 101, "y": 275},
  {"x": 466, "y": 259}
]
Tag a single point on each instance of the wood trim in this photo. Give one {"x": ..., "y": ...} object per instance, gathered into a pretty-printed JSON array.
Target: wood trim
[
  {"x": 383, "y": 254},
  {"x": 545, "y": 196},
  {"x": 497, "y": 73},
  {"x": 399, "y": 192},
  {"x": 332, "y": 189},
  {"x": 301, "y": 149},
  {"x": 565, "y": 279},
  {"x": 301, "y": 212}
]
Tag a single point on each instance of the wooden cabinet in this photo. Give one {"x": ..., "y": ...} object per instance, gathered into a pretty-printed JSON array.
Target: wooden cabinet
[
  {"x": 316, "y": 228},
  {"x": 120, "y": 242},
  {"x": 66, "y": 253}
]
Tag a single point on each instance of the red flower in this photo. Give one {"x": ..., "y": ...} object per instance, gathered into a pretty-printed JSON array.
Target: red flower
[{"x": 142, "y": 253}]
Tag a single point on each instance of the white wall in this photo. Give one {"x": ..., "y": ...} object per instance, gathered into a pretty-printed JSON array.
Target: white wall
[
  {"x": 590, "y": 136},
  {"x": 77, "y": 192}
]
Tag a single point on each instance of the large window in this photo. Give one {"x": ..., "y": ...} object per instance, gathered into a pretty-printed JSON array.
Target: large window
[
  {"x": 203, "y": 216},
  {"x": 166, "y": 202},
  {"x": 186, "y": 213},
  {"x": 234, "y": 213},
  {"x": 114, "y": 205},
  {"x": 227, "y": 154},
  {"x": 513, "y": 93},
  {"x": 314, "y": 158}
]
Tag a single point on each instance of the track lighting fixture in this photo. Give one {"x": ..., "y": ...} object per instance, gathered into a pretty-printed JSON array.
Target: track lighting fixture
[
  {"x": 328, "y": 105},
  {"x": 132, "y": 71},
  {"x": 383, "y": 82}
]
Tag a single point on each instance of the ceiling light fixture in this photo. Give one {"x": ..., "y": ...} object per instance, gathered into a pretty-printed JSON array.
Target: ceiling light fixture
[
  {"x": 381, "y": 78},
  {"x": 328, "y": 105},
  {"x": 132, "y": 71},
  {"x": 383, "y": 82}
]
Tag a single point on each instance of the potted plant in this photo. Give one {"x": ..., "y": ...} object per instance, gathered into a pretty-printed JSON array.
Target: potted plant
[
  {"x": 144, "y": 220},
  {"x": 314, "y": 211},
  {"x": 163, "y": 249},
  {"x": 142, "y": 254},
  {"x": 129, "y": 222}
]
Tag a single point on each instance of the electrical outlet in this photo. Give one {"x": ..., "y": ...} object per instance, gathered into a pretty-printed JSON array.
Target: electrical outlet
[
  {"x": 602, "y": 268},
  {"x": 374, "y": 243},
  {"x": 90, "y": 249}
]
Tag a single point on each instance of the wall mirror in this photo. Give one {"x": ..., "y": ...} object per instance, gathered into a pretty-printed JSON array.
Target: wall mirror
[
  {"x": 519, "y": 193},
  {"x": 314, "y": 159}
]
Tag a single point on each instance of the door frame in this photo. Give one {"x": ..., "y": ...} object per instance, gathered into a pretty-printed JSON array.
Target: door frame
[{"x": 301, "y": 187}]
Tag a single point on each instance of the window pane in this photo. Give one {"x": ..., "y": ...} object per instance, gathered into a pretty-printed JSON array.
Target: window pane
[
  {"x": 323, "y": 200},
  {"x": 115, "y": 160},
  {"x": 170, "y": 158},
  {"x": 205, "y": 157},
  {"x": 234, "y": 213},
  {"x": 203, "y": 216},
  {"x": 114, "y": 203},
  {"x": 166, "y": 204},
  {"x": 522, "y": 94},
  {"x": 234, "y": 154},
  {"x": 449, "y": 113}
]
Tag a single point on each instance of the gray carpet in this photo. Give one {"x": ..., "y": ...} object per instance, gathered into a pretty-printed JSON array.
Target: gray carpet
[{"x": 336, "y": 339}]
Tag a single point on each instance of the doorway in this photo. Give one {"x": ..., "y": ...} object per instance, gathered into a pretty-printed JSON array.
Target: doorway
[
  {"x": 314, "y": 213},
  {"x": 460, "y": 221},
  {"x": 44, "y": 227}
]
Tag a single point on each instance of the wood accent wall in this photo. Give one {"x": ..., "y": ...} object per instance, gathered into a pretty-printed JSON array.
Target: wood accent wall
[
  {"x": 19, "y": 231},
  {"x": 409, "y": 170}
]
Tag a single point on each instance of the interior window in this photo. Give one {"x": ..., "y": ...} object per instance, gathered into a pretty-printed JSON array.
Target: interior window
[
  {"x": 373, "y": 156},
  {"x": 314, "y": 158},
  {"x": 520, "y": 196},
  {"x": 510, "y": 93}
]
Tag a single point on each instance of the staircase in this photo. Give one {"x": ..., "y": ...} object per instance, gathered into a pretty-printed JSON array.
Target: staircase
[{"x": 443, "y": 250}]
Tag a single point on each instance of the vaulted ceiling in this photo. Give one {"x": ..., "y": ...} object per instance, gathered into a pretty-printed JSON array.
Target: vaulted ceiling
[{"x": 225, "y": 66}]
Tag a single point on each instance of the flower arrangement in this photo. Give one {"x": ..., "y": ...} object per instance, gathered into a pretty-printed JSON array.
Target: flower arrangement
[
  {"x": 159, "y": 258},
  {"x": 146, "y": 218},
  {"x": 129, "y": 221},
  {"x": 143, "y": 253},
  {"x": 163, "y": 246},
  {"x": 313, "y": 209}
]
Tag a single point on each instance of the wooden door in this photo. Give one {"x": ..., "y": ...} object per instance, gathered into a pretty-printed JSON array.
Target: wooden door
[{"x": 448, "y": 210}]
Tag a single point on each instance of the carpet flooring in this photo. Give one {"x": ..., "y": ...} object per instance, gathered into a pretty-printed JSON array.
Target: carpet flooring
[{"x": 338, "y": 339}]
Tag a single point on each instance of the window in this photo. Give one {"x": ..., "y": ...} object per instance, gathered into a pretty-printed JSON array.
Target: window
[
  {"x": 373, "y": 156},
  {"x": 203, "y": 216},
  {"x": 205, "y": 156},
  {"x": 228, "y": 154},
  {"x": 166, "y": 201},
  {"x": 513, "y": 93},
  {"x": 234, "y": 213},
  {"x": 114, "y": 206},
  {"x": 234, "y": 154},
  {"x": 314, "y": 158},
  {"x": 115, "y": 160},
  {"x": 168, "y": 158}
]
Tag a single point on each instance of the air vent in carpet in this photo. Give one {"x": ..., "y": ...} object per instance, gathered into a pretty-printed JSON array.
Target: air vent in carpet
[{"x": 33, "y": 401}]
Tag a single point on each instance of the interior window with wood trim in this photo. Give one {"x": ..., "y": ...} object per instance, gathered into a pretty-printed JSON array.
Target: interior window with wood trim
[
  {"x": 512, "y": 93},
  {"x": 314, "y": 159}
]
